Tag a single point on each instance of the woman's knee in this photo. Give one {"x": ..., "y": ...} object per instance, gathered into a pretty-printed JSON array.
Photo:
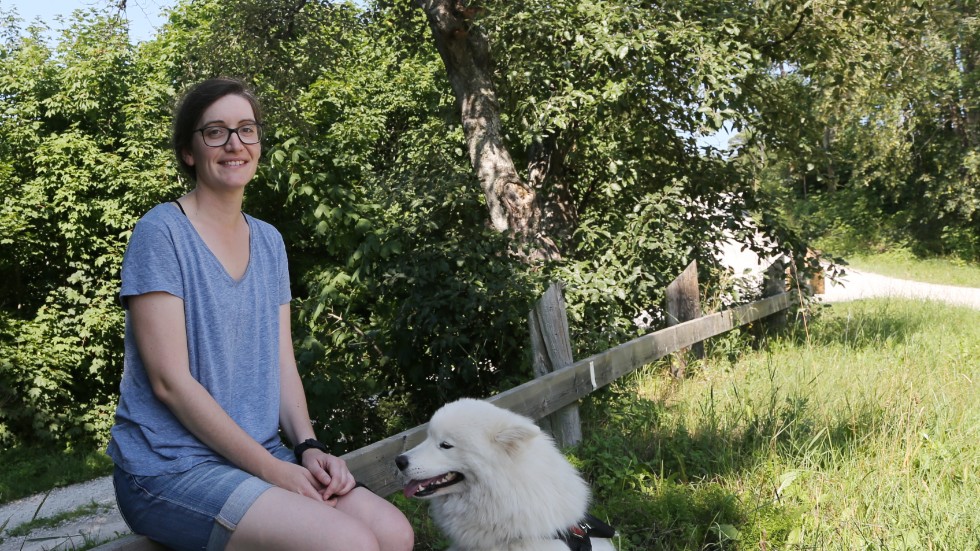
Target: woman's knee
[
  {"x": 393, "y": 530},
  {"x": 397, "y": 534}
]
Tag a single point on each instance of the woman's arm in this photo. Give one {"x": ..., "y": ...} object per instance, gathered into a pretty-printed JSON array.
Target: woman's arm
[
  {"x": 294, "y": 415},
  {"x": 294, "y": 418},
  {"x": 161, "y": 337}
]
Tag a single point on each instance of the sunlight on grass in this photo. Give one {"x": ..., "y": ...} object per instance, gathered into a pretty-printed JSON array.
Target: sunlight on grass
[
  {"x": 903, "y": 265},
  {"x": 865, "y": 437}
]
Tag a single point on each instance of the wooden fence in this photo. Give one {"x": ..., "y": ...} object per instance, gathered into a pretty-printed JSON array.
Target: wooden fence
[{"x": 561, "y": 382}]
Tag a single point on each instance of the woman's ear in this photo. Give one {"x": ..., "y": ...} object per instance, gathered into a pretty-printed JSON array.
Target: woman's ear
[{"x": 187, "y": 156}]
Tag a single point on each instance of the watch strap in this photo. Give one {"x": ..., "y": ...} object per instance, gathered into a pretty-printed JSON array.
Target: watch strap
[{"x": 305, "y": 445}]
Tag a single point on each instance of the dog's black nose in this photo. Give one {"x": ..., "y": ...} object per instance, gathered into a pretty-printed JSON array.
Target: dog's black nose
[{"x": 402, "y": 462}]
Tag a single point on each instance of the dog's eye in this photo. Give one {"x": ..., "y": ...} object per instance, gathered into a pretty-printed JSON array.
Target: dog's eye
[{"x": 445, "y": 445}]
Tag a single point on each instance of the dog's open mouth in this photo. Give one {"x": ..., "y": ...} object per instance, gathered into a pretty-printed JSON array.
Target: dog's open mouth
[{"x": 424, "y": 488}]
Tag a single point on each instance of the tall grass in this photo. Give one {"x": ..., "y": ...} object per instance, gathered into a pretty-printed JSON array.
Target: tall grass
[{"x": 862, "y": 434}]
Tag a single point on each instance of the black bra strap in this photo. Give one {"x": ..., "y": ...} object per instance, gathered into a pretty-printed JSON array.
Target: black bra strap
[{"x": 181, "y": 207}]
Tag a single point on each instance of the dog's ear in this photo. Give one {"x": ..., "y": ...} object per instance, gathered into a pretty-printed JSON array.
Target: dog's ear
[{"x": 512, "y": 437}]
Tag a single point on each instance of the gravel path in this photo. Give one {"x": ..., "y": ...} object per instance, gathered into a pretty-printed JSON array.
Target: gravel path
[
  {"x": 857, "y": 285},
  {"x": 106, "y": 523},
  {"x": 103, "y": 524}
]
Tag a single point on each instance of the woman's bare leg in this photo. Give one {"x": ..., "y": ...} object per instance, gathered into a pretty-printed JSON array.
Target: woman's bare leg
[{"x": 284, "y": 520}]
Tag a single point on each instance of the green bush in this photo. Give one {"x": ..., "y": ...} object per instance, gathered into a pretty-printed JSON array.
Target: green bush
[{"x": 83, "y": 156}]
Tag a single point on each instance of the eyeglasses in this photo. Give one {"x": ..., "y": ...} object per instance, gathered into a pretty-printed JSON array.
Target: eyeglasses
[{"x": 218, "y": 136}]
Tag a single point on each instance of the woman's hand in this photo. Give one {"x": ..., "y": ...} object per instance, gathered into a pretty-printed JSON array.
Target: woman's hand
[
  {"x": 297, "y": 479},
  {"x": 331, "y": 472}
]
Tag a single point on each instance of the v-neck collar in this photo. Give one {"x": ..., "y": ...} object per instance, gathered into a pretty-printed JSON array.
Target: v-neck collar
[{"x": 214, "y": 257}]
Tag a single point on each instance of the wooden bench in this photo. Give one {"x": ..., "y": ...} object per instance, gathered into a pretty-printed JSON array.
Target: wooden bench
[{"x": 132, "y": 542}]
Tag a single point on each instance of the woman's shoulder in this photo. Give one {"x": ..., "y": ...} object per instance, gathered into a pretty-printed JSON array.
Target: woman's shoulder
[
  {"x": 163, "y": 213},
  {"x": 161, "y": 222}
]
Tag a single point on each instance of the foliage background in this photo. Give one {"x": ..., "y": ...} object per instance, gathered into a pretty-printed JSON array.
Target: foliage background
[{"x": 857, "y": 121}]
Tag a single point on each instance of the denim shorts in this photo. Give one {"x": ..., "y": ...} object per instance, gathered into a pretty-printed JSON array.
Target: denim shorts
[{"x": 193, "y": 510}]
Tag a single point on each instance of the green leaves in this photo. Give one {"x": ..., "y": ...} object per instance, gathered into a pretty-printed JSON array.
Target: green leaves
[
  {"x": 871, "y": 110},
  {"x": 77, "y": 168}
]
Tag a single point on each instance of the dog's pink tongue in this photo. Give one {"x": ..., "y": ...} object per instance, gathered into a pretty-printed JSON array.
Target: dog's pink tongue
[{"x": 412, "y": 488}]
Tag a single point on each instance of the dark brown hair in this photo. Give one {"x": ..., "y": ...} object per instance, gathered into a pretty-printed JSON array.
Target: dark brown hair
[{"x": 192, "y": 107}]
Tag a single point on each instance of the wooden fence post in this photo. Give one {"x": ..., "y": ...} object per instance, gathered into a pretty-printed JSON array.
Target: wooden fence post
[
  {"x": 552, "y": 350},
  {"x": 774, "y": 283},
  {"x": 684, "y": 304}
]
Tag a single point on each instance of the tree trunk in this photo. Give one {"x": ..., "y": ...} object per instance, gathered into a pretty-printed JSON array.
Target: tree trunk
[{"x": 466, "y": 53}]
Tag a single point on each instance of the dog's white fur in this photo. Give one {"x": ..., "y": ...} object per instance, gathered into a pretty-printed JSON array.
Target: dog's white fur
[{"x": 517, "y": 489}]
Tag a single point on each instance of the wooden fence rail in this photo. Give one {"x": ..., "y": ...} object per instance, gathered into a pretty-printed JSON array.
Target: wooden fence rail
[{"x": 374, "y": 464}]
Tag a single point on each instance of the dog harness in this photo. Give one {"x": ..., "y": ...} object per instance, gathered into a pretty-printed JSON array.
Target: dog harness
[{"x": 576, "y": 537}]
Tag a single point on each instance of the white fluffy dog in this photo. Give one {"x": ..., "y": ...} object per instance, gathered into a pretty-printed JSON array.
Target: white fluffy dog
[{"x": 495, "y": 481}]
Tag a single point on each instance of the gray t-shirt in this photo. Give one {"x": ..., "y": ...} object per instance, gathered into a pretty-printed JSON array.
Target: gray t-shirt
[{"x": 232, "y": 339}]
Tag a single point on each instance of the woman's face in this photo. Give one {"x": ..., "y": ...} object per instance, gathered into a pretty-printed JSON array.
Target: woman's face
[{"x": 233, "y": 164}]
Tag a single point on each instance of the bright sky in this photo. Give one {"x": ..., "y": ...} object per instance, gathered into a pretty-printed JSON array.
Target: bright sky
[{"x": 145, "y": 16}]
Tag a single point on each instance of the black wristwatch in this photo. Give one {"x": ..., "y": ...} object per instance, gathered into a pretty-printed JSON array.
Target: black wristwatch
[{"x": 309, "y": 443}]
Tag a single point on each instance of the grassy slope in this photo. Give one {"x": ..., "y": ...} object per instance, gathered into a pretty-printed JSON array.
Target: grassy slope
[{"x": 861, "y": 436}]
